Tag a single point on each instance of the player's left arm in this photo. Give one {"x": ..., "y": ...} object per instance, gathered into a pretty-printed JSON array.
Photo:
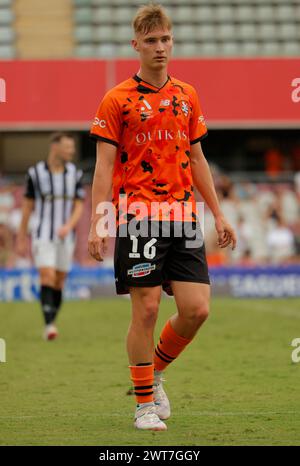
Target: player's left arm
[{"x": 203, "y": 181}]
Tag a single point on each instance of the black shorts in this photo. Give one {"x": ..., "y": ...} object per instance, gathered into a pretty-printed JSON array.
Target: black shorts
[{"x": 168, "y": 251}]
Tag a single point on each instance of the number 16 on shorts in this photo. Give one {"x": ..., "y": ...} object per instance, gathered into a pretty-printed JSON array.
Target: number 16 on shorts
[{"x": 149, "y": 250}]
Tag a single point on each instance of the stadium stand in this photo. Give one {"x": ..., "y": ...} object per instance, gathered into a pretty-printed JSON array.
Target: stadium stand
[
  {"x": 7, "y": 34},
  {"x": 102, "y": 28},
  {"x": 43, "y": 29},
  {"x": 207, "y": 28}
]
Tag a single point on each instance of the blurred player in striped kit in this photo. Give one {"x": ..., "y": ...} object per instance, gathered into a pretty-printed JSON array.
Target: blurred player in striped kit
[{"x": 54, "y": 195}]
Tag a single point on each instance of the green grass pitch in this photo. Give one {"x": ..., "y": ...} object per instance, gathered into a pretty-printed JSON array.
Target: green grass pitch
[{"x": 234, "y": 385}]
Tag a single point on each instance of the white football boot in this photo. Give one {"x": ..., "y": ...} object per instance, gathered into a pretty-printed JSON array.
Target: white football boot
[
  {"x": 161, "y": 400},
  {"x": 147, "y": 419},
  {"x": 50, "y": 332}
]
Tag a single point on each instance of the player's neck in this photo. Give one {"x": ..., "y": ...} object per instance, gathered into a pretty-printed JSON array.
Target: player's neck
[
  {"x": 55, "y": 165},
  {"x": 156, "y": 78}
]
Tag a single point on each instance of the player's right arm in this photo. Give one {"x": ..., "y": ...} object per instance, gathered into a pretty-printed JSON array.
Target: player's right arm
[
  {"x": 101, "y": 192},
  {"x": 27, "y": 209}
]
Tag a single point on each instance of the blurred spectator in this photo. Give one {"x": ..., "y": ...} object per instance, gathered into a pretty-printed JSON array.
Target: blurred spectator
[
  {"x": 296, "y": 158},
  {"x": 246, "y": 260},
  {"x": 7, "y": 201},
  {"x": 274, "y": 162},
  {"x": 297, "y": 183},
  {"x": 280, "y": 242},
  {"x": 6, "y": 245}
]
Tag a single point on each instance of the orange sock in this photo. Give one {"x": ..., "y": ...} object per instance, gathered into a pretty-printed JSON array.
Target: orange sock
[
  {"x": 169, "y": 347},
  {"x": 143, "y": 378}
]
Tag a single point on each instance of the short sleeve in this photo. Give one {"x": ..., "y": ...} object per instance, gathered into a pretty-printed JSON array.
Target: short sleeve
[
  {"x": 79, "y": 190},
  {"x": 107, "y": 123},
  {"x": 197, "y": 129},
  {"x": 29, "y": 188}
]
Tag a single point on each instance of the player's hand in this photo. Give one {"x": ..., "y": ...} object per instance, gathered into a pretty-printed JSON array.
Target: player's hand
[
  {"x": 226, "y": 234},
  {"x": 97, "y": 246},
  {"x": 21, "y": 245},
  {"x": 63, "y": 231}
]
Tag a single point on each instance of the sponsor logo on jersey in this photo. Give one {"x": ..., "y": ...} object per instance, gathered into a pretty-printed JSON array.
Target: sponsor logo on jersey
[
  {"x": 98, "y": 122},
  {"x": 146, "y": 110},
  {"x": 164, "y": 103},
  {"x": 141, "y": 270},
  {"x": 160, "y": 135}
]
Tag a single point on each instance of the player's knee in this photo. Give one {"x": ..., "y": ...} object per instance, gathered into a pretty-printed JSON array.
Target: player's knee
[
  {"x": 47, "y": 278},
  {"x": 148, "y": 314},
  {"x": 199, "y": 313},
  {"x": 59, "y": 281}
]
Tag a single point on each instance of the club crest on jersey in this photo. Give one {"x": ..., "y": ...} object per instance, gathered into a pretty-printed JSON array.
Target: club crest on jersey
[
  {"x": 185, "y": 108},
  {"x": 141, "y": 270}
]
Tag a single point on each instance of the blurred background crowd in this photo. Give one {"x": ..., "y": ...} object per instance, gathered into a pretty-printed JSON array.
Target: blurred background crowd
[{"x": 265, "y": 214}]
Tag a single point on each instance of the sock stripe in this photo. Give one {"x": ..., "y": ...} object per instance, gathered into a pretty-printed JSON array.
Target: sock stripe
[
  {"x": 164, "y": 354},
  {"x": 144, "y": 394},
  {"x": 161, "y": 357},
  {"x": 169, "y": 343},
  {"x": 145, "y": 387},
  {"x": 142, "y": 377}
]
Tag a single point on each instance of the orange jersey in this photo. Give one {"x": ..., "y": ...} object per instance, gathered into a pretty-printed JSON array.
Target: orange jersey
[{"x": 153, "y": 129}]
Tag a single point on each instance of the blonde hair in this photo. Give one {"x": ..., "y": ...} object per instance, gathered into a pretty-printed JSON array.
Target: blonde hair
[{"x": 150, "y": 17}]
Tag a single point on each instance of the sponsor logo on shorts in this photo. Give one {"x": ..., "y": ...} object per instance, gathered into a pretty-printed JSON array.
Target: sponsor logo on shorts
[{"x": 141, "y": 270}]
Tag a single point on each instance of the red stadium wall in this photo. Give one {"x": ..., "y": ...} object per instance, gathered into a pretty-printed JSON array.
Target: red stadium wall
[{"x": 261, "y": 93}]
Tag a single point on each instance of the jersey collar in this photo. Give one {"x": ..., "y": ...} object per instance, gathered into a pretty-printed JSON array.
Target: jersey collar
[
  {"x": 47, "y": 167},
  {"x": 146, "y": 88}
]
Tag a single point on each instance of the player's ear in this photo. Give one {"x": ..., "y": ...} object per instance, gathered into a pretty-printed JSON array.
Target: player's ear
[{"x": 135, "y": 45}]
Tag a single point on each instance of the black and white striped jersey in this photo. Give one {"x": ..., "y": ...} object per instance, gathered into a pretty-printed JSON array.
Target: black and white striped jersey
[{"x": 54, "y": 195}]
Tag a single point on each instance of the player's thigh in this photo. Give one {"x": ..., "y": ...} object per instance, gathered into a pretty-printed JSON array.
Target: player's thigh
[
  {"x": 192, "y": 299},
  {"x": 187, "y": 261},
  {"x": 44, "y": 254},
  {"x": 64, "y": 255},
  {"x": 145, "y": 303}
]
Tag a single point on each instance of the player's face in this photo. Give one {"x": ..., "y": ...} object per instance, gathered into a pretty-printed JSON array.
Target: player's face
[
  {"x": 155, "y": 48},
  {"x": 65, "y": 149}
]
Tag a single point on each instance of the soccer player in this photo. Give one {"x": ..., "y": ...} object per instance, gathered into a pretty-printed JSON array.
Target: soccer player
[
  {"x": 149, "y": 130},
  {"x": 55, "y": 195}
]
